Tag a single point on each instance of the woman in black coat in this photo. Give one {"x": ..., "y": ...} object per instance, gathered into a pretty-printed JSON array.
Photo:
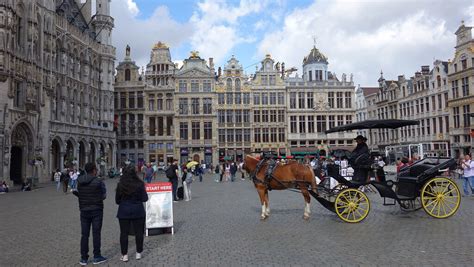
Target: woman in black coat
[{"x": 130, "y": 195}]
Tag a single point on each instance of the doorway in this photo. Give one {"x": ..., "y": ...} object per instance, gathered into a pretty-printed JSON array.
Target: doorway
[{"x": 15, "y": 165}]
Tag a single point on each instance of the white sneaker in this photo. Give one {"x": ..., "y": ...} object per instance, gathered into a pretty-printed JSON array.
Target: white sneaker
[
  {"x": 124, "y": 258},
  {"x": 138, "y": 256}
]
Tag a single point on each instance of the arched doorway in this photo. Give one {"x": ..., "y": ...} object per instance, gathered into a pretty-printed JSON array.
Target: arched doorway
[
  {"x": 102, "y": 162},
  {"x": 69, "y": 156},
  {"x": 82, "y": 155},
  {"x": 110, "y": 155},
  {"x": 21, "y": 151},
  {"x": 56, "y": 155},
  {"x": 92, "y": 155}
]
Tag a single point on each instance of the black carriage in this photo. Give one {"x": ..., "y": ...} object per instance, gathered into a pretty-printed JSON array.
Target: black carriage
[{"x": 417, "y": 186}]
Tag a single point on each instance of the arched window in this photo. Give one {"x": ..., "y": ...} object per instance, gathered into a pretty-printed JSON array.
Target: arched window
[
  {"x": 229, "y": 84},
  {"x": 127, "y": 75},
  {"x": 237, "y": 84}
]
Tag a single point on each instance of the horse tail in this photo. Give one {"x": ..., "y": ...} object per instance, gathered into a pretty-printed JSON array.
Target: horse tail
[{"x": 313, "y": 179}]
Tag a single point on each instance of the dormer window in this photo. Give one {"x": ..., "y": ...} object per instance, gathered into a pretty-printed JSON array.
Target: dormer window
[{"x": 127, "y": 75}]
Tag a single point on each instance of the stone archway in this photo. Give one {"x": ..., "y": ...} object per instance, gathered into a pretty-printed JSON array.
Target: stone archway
[
  {"x": 21, "y": 153},
  {"x": 82, "y": 154},
  {"x": 56, "y": 155},
  {"x": 92, "y": 154},
  {"x": 69, "y": 155}
]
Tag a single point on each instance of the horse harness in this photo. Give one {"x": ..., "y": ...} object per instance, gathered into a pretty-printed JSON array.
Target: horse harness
[{"x": 272, "y": 166}]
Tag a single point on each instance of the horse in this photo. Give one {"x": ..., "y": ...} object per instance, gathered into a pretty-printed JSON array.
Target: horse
[{"x": 290, "y": 175}]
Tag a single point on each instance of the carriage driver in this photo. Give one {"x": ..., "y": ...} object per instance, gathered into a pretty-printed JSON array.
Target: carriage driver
[{"x": 360, "y": 160}]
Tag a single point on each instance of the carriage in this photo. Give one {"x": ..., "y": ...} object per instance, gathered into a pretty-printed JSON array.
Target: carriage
[{"x": 418, "y": 186}]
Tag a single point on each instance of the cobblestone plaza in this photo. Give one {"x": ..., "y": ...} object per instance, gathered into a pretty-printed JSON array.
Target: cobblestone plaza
[{"x": 221, "y": 226}]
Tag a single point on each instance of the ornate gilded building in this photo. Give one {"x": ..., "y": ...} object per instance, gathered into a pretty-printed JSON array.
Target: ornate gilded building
[
  {"x": 317, "y": 102},
  {"x": 233, "y": 111},
  {"x": 195, "y": 115},
  {"x": 56, "y": 75}
]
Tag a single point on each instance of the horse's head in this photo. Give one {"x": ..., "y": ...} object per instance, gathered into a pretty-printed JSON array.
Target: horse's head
[{"x": 250, "y": 163}]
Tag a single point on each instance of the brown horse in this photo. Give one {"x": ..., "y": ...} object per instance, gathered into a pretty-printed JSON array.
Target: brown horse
[{"x": 290, "y": 175}]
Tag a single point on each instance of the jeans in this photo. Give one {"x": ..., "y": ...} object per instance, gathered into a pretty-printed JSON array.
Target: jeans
[
  {"x": 174, "y": 183},
  {"x": 187, "y": 191},
  {"x": 232, "y": 177},
  {"x": 88, "y": 218},
  {"x": 200, "y": 177},
  {"x": 138, "y": 227},
  {"x": 65, "y": 184},
  {"x": 73, "y": 184},
  {"x": 58, "y": 185},
  {"x": 468, "y": 185},
  {"x": 148, "y": 179}
]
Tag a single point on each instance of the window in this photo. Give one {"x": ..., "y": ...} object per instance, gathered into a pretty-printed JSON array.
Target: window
[
  {"x": 229, "y": 84},
  {"x": 183, "y": 130},
  {"x": 238, "y": 98},
  {"x": 464, "y": 64},
  {"x": 417, "y": 106},
  {"x": 237, "y": 84},
  {"x": 309, "y": 100},
  {"x": 281, "y": 116},
  {"x": 160, "y": 126},
  {"x": 465, "y": 86},
  {"x": 273, "y": 116},
  {"x": 196, "y": 130},
  {"x": 169, "y": 102},
  {"x": 220, "y": 116},
  {"x": 221, "y": 135},
  {"x": 140, "y": 144},
  {"x": 206, "y": 86},
  {"x": 427, "y": 100},
  {"x": 331, "y": 99},
  {"x": 256, "y": 136},
  {"x": 230, "y": 116},
  {"x": 332, "y": 121},
  {"x": 339, "y": 99},
  {"x": 302, "y": 124},
  {"x": 433, "y": 102},
  {"x": 272, "y": 80},
  {"x": 455, "y": 89},
  {"x": 238, "y": 135},
  {"x": 456, "y": 117},
  {"x": 293, "y": 124},
  {"x": 446, "y": 99},
  {"x": 421, "y": 106},
  {"x": 264, "y": 116},
  {"x": 169, "y": 124},
  {"x": 301, "y": 100},
  {"x": 434, "y": 125},
  {"x": 230, "y": 99},
  {"x": 265, "y": 135},
  {"x": 183, "y": 106},
  {"x": 230, "y": 135},
  {"x": 273, "y": 135},
  {"x": 220, "y": 98},
  {"x": 246, "y": 135},
  {"x": 123, "y": 100},
  {"x": 131, "y": 123},
  {"x": 238, "y": 116},
  {"x": 140, "y": 123},
  {"x": 194, "y": 86},
  {"x": 281, "y": 98},
  {"x": 151, "y": 124},
  {"x": 320, "y": 124},
  {"x": 139, "y": 99},
  {"x": 440, "y": 102},
  {"x": 183, "y": 86},
  {"x": 131, "y": 100},
  {"x": 310, "y": 74},
  {"x": 311, "y": 124},
  {"x": 467, "y": 113},
  {"x": 127, "y": 75},
  {"x": 115, "y": 100},
  {"x": 246, "y": 115},
  {"x": 195, "y": 106},
  {"x": 440, "y": 123},
  {"x": 264, "y": 98},
  {"x": 293, "y": 100},
  {"x": 207, "y": 105},
  {"x": 151, "y": 102},
  {"x": 246, "y": 99},
  {"x": 340, "y": 120},
  {"x": 256, "y": 98},
  {"x": 348, "y": 100},
  {"x": 256, "y": 116},
  {"x": 348, "y": 119},
  {"x": 281, "y": 135},
  {"x": 264, "y": 79},
  {"x": 273, "y": 98}
]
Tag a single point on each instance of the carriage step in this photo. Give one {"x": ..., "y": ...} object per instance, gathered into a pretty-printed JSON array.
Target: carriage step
[{"x": 389, "y": 203}]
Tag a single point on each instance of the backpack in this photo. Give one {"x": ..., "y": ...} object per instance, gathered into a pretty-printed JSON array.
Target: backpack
[{"x": 170, "y": 172}]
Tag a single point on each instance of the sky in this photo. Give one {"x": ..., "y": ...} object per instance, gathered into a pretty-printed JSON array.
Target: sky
[{"x": 359, "y": 37}]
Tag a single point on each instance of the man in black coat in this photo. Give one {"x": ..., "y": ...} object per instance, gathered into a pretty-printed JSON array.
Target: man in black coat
[
  {"x": 360, "y": 160},
  {"x": 91, "y": 193}
]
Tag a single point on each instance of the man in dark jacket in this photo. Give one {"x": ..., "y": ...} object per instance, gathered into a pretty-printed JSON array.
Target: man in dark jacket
[
  {"x": 91, "y": 193},
  {"x": 360, "y": 160}
]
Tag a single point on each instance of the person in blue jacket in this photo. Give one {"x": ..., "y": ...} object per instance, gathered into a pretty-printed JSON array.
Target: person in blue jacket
[{"x": 130, "y": 195}]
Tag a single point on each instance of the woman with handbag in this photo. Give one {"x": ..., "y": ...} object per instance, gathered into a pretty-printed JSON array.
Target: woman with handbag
[{"x": 130, "y": 195}]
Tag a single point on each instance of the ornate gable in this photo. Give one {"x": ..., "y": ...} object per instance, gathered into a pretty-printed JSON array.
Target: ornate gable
[{"x": 72, "y": 12}]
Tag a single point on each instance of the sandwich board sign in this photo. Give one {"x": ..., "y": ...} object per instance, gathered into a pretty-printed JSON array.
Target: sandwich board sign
[{"x": 159, "y": 207}]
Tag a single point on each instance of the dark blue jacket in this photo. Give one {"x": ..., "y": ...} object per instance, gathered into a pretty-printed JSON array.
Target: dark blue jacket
[
  {"x": 91, "y": 193},
  {"x": 131, "y": 206}
]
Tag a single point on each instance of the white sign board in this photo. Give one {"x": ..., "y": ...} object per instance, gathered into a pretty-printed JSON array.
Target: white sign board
[{"x": 159, "y": 207}]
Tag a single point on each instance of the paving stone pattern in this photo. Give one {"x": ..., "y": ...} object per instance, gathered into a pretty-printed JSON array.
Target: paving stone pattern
[{"x": 221, "y": 226}]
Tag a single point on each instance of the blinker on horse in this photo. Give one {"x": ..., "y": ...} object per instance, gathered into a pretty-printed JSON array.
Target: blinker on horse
[{"x": 283, "y": 176}]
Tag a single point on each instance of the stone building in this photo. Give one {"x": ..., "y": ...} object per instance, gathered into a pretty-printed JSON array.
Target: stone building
[
  {"x": 461, "y": 93},
  {"x": 56, "y": 75},
  {"x": 233, "y": 112},
  {"x": 195, "y": 116},
  {"x": 317, "y": 102},
  {"x": 363, "y": 100},
  {"x": 269, "y": 108},
  {"x": 129, "y": 111}
]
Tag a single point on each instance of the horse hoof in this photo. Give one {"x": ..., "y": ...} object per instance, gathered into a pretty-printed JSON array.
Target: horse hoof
[
  {"x": 263, "y": 217},
  {"x": 306, "y": 217}
]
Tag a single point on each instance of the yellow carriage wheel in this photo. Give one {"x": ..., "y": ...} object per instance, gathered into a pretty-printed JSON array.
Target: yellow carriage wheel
[
  {"x": 440, "y": 197},
  {"x": 352, "y": 205}
]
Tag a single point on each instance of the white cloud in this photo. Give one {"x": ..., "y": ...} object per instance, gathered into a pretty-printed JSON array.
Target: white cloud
[
  {"x": 132, "y": 7},
  {"x": 365, "y": 37}
]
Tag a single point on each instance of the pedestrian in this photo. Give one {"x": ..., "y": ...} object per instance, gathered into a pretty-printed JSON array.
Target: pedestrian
[
  {"x": 57, "y": 179},
  {"x": 217, "y": 171},
  {"x": 148, "y": 173},
  {"x": 233, "y": 171},
  {"x": 4, "y": 187},
  {"x": 199, "y": 171},
  {"x": 241, "y": 168},
  {"x": 227, "y": 172},
  {"x": 172, "y": 174},
  {"x": 65, "y": 179},
  {"x": 130, "y": 195},
  {"x": 187, "y": 184},
  {"x": 468, "y": 177},
  {"x": 222, "y": 169},
  {"x": 74, "y": 175},
  {"x": 360, "y": 160},
  {"x": 91, "y": 193}
]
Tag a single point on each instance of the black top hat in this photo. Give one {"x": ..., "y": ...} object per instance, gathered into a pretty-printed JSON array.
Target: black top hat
[{"x": 360, "y": 137}]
